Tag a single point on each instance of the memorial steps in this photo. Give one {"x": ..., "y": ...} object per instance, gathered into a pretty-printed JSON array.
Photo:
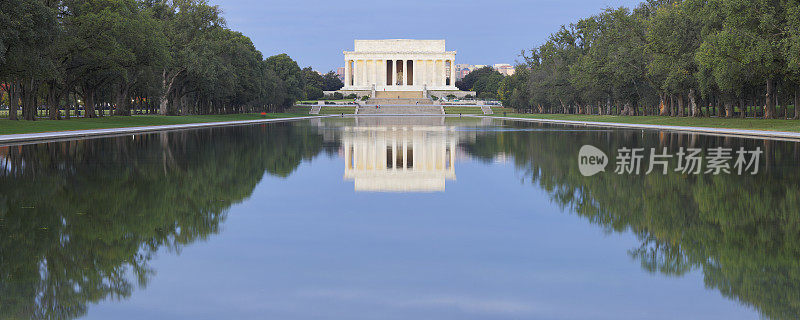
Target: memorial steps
[
  {"x": 398, "y": 102},
  {"x": 417, "y": 110}
]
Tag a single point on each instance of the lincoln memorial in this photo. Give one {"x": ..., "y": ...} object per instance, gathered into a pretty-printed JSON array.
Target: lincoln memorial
[{"x": 400, "y": 68}]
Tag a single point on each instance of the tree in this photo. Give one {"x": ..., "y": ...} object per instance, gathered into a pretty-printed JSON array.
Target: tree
[
  {"x": 313, "y": 84},
  {"x": 745, "y": 50},
  {"x": 484, "y": 81},
  {"x": 113, "y": 53},
  {"x": 513, "y": 91},
  {"x": 144, "y": 39},
  {"x": 292, "y": 76},
  {"x": 24, "y": 59},
  {"x": 186, "y": 26},
  {"x": 791, "y": 50},
  {"x": 674, "y": 34},
  {"x": 111, "y": 42},
  {"x": 331, "y": 82}
]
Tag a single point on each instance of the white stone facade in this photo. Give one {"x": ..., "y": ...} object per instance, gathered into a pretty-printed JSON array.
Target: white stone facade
[
  {"x": 400, "y": 158},
  {"x": 399, "y": 65}
]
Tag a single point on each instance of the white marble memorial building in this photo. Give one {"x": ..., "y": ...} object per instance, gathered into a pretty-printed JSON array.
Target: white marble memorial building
[{"x": 400, "y": 68}]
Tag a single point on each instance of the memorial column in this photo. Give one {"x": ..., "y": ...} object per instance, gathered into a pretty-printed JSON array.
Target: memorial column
[
  {"x": 383, "y": 72},
  {"x": 404, "y": 63},
  {"x": 347, "y": 71},
  {"x": 394, "y": 72},
  {"x": 424, "y": 72},
  {"x": 365, "y": 80},
  {"x": 355, "y": 72},
  {"x": 436, "y": 72},
  {"x": 443, "y": 73},
  {"x": 377, "y": 73},
  {"x": 435, "y": 75},
  {"x": 415, "y": 78},
  {"x": 452, "y": 72}
]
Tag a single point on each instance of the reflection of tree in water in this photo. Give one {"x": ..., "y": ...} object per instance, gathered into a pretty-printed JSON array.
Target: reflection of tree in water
[
  {"x": 742, "y": 232},
  {"x": 80, "y": 219}
]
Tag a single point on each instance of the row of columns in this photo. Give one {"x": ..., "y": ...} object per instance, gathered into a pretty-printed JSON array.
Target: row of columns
[
  {"x": 425, "y": 72},
  {"x": 400, "y": 155}
]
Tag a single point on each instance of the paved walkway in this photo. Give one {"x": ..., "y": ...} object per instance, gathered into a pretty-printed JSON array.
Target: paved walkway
[
  {"x": 68, "y": 135},
  {"x": 755, "y": 134}
]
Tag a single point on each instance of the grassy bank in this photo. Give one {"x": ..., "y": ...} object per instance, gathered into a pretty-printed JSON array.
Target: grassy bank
[
  {"x": 463, "y": 110},
  {"x": 732, "y": 123},
  {"x": 337, "y": 110},
  {"x": 475, "y": 110},
  {"x": 16, "y": 127}
]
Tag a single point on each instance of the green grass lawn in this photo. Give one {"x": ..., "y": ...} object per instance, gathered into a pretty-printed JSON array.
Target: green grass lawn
[
  {"x": 732, "y": 123},
  {"x": 500, "y": 110},
  {"x": 462, "y": 110},
  {"x": 299, "y": 110},
  {"x": 337, "y": 110},
  {"x": 15, "y": 127}
]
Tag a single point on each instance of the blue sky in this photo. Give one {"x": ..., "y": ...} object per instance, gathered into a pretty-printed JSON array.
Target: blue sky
[{"x": 314, "y": 32}]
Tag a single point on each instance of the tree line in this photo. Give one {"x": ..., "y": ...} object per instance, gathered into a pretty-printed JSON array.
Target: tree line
[
  {"x": 726, "y": 58},
  {"x": 160, "y": 56}
]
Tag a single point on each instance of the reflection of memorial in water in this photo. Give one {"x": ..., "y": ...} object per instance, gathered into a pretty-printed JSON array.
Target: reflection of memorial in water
[{"x": 399, "y": 158}]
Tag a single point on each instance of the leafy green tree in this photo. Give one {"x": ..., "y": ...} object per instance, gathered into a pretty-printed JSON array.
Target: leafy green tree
[
  {"x": 513, "y": 91},
  {"x": 149, "y": 50},
  {"x": 745, "y": 50},
  {"x": 484, "y": 81},
  {"x": 291, "y": 75},
  {"x": 673, "y": 57},
  {"x": 331, "y": 82},
  {"x": 111, "y": 39},
  {"x": 674, "y": 34},
  {"x": 24, "y": 61},
  {"x": 557, "y": 56},
  {"x": 313, "y": 84},
  {"x": 186, "y": 24},
  {"x": 791, "y": 50}
]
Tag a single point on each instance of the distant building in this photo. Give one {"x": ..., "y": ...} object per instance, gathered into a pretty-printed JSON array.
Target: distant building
[
  {"x": 460, "y": 74},
  {"x": 462, "y": 70},
  {"x": 340, "y": 73},
  {"x": 504, "y": 68}
]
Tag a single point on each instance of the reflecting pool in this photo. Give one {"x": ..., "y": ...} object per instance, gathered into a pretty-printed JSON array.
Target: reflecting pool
[{"x": 395, "y": 218}]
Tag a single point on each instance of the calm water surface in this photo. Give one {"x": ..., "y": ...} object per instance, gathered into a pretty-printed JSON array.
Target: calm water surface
[{"x": 392, "y": 218}]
